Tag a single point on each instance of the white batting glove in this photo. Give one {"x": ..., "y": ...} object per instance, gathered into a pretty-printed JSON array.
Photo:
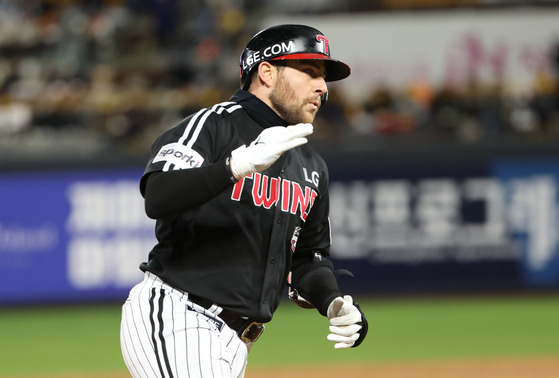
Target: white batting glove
[
  {"x": 267, "y": 148},
  {"x": 344, "y": 317}
]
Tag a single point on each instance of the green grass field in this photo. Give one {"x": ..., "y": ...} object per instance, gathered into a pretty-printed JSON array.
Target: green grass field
[{"x": 57, "y": 340}]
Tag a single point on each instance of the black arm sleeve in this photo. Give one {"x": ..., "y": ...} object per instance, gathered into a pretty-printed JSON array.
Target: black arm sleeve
[
  {"x": 172, "y": 192},
  {"x": 313, "y": 277}
]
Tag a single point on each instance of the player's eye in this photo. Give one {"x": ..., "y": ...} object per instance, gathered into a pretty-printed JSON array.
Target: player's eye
[{"x": 312, "y": 72}]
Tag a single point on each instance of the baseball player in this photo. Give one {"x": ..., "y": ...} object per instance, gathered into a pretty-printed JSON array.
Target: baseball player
[{"x": 241, "y": 203}]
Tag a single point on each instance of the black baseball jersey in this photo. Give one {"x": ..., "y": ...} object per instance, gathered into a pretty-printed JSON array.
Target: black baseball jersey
[{"x": 236, "y": 249}]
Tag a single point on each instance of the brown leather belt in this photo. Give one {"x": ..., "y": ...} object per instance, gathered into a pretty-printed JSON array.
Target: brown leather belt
[{"x": 248, "y": 330}]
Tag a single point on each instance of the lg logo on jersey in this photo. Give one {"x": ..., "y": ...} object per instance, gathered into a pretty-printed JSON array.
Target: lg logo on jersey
[{"x": 315, "y": 177}]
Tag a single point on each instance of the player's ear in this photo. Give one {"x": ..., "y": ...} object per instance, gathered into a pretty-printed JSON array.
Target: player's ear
[{"x": 267, "y": 73}]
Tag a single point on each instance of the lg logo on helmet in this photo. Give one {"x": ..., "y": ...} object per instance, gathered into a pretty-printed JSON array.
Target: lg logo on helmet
[{"x": 325, "y": 43}]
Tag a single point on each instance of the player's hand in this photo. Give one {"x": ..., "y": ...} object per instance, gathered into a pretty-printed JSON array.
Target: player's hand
[
  {"x": 348, "y": 325},
  {"x": 267, "y": 148}
]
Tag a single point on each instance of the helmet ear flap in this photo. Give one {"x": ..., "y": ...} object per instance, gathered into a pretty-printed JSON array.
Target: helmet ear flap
[
  {"x": 324, "y": 99},
  {"x": 246, "y": 79}
]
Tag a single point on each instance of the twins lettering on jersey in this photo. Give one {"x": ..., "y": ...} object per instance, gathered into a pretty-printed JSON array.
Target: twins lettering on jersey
[{"x": 276, "y": 191}]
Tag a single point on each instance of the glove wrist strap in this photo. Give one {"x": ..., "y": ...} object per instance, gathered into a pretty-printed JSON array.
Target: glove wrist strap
[
  {"x": 230, "y": 171},
  {"x": 240, "y": 162}
]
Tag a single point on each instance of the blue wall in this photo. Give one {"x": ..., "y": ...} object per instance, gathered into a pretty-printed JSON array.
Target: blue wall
[{"x": 402, "y": 223}]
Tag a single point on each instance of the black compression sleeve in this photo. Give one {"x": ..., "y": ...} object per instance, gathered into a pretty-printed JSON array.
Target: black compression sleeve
[
  {"x": 172, "y": 192},
  {"x": 316, "y": 282}
]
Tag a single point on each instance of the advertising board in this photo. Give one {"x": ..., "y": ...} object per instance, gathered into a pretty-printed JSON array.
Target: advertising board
[{"x": 435, "y": 225}]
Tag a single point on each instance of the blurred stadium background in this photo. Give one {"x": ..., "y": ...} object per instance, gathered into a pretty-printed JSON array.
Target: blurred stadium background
[{"x": 443, "y": 148}]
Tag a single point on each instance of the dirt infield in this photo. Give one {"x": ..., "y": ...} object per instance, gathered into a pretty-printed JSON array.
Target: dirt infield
[
  {"x": 522, "y": 367},
  {"x": 539, "y": 367}
]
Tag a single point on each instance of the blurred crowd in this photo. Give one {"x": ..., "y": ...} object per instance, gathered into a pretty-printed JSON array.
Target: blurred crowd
[
  {"x": 101, "y": 74},
  {"x": 471, "y": 113}
]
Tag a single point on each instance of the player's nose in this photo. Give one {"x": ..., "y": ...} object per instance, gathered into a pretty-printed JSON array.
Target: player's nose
[{"x": 320, "y": 86}]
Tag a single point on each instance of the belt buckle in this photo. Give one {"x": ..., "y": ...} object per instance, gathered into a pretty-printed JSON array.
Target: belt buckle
[{"x": 252, "y": 332}]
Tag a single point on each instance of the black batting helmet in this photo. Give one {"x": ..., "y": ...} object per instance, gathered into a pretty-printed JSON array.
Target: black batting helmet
[{"x": 299, "y": 42}]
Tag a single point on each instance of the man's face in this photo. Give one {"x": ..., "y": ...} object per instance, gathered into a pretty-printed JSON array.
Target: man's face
[{"x": 297, "y": 90}]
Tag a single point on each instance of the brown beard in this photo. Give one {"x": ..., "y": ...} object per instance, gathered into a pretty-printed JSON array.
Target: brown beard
[{"x": 281, "y": 97}]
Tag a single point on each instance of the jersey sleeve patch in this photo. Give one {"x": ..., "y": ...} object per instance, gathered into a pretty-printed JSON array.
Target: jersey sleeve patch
[{"x": 180, "y": 155}]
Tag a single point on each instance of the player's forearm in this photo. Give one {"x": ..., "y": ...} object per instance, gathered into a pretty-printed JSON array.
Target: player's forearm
[
  {"x": 172, "y": 192},
  {"x": 316, "y": 282}
]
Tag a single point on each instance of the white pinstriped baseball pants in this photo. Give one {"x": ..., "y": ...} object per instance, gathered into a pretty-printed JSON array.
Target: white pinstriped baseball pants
[{"x": 164, "y": 335}]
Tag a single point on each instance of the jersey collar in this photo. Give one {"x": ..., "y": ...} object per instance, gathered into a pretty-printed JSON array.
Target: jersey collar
[{"x": 257, "y": 109}]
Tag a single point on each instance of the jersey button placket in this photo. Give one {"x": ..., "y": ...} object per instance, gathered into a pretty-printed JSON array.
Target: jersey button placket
[{"x": 279, "y": 216}]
